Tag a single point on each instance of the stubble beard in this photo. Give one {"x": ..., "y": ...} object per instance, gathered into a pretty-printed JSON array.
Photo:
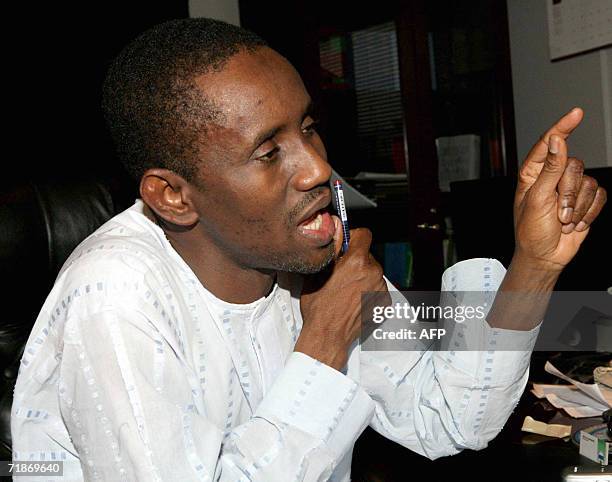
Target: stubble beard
[{"x": 302, "y": 266}]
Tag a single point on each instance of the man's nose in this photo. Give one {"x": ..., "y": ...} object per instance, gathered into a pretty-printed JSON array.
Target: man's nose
[{"x": 312, "y": 169}]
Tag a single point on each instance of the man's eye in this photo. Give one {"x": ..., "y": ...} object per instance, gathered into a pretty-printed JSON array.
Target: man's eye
[
  {"x": 269, "y": 156},
  {"x": 310, "y": 128}
]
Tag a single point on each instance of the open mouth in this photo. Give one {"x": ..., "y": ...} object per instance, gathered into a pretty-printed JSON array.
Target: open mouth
[{"x": 318, "y": 228}]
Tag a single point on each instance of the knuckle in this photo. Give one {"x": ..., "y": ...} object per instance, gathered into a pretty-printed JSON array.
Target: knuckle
[
  {"x": 362, "y": 263},
  {"x": 568, "y": 196},
  {"x": 378, "y": 271},
  {"x": 363, "y": 234},
  {"x": 551, "y": 165},
  {"x": 589, "y": 183},
  {"x": 575, "y": 166},
  {"x": 358, "y": 263}
]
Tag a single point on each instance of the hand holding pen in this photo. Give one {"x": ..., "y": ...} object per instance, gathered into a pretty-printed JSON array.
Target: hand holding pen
[{"x": 330, "y": 301}]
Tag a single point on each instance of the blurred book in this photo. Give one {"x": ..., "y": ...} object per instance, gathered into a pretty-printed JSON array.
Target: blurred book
[{"x": 458, "y": 159}]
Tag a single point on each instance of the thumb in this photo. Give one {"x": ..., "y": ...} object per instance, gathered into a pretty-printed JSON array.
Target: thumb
[
  {"x": 338, "y": 236},
  {"x": 554, "y": 166}
]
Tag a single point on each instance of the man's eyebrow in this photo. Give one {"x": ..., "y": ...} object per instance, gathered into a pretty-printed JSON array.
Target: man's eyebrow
[{"x": 264, "y": 136}]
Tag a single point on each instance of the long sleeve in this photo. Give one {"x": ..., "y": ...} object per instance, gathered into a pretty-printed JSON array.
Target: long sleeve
[
  {"x": 437, "y": 403},
  {"x": 125, "y": 428}
]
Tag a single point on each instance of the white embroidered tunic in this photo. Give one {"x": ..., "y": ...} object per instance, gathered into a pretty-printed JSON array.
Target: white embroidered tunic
[{"x": 134, "y": 371}]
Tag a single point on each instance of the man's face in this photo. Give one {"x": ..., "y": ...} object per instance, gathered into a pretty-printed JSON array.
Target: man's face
[{"x": 264, "y": 173}]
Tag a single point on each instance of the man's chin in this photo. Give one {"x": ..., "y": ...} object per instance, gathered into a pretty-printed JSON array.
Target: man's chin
[{"x": 304, "y": 266}]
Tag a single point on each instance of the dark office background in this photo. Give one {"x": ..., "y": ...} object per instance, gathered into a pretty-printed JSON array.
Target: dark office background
[{"x": 58, "y": 58}]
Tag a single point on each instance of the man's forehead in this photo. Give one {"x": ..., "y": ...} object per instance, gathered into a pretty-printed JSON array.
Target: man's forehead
[
  {"x": 236, "y": 99},
  {"x": 254, "y": 90}
]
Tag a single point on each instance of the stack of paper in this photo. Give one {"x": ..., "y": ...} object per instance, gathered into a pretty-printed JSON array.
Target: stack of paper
[{"x": 579, "y": 400}]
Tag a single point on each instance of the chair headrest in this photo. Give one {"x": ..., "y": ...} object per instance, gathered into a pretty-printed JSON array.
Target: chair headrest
[{"x": 40, "y": 225}]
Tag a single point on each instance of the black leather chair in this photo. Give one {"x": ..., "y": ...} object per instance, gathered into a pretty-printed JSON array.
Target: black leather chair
[{"x": 40, "y": 224}]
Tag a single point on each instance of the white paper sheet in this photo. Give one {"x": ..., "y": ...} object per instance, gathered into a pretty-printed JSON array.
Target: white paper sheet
[
  {"x": 582, "y": 412},
  {"x": 540, "y": 390},
  {"x": 592, "y": 390}
]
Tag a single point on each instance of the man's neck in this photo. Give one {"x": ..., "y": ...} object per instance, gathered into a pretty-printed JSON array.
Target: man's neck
[
  {"x": 223, "y": 279},
  {"x": 217, "y": 273}
]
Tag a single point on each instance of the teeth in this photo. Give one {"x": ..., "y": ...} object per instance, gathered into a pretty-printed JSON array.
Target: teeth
[{"x": 315, "y": 224}]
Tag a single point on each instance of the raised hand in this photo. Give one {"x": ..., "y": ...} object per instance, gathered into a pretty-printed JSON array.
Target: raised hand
[{"x": 555, "y": 204}]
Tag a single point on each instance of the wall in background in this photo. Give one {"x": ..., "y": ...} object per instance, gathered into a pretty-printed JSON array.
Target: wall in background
[
  {"x": 226, "y": 10},
  {"x": 545, "y": 90}
]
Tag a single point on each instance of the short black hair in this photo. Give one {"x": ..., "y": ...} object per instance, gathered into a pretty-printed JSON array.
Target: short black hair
[{"x": 150, "y": 101}]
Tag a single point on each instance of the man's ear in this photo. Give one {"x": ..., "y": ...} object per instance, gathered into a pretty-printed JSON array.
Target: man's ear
[{"x": 168, "y": 195}]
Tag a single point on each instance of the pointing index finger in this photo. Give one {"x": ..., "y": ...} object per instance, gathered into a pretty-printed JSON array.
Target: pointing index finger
[
  {"x": 563, "y": 128},
  {"x": 535, "y": 160}
]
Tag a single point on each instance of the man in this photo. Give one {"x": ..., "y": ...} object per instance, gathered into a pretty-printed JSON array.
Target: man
[{"x": 188, "y": 338}]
